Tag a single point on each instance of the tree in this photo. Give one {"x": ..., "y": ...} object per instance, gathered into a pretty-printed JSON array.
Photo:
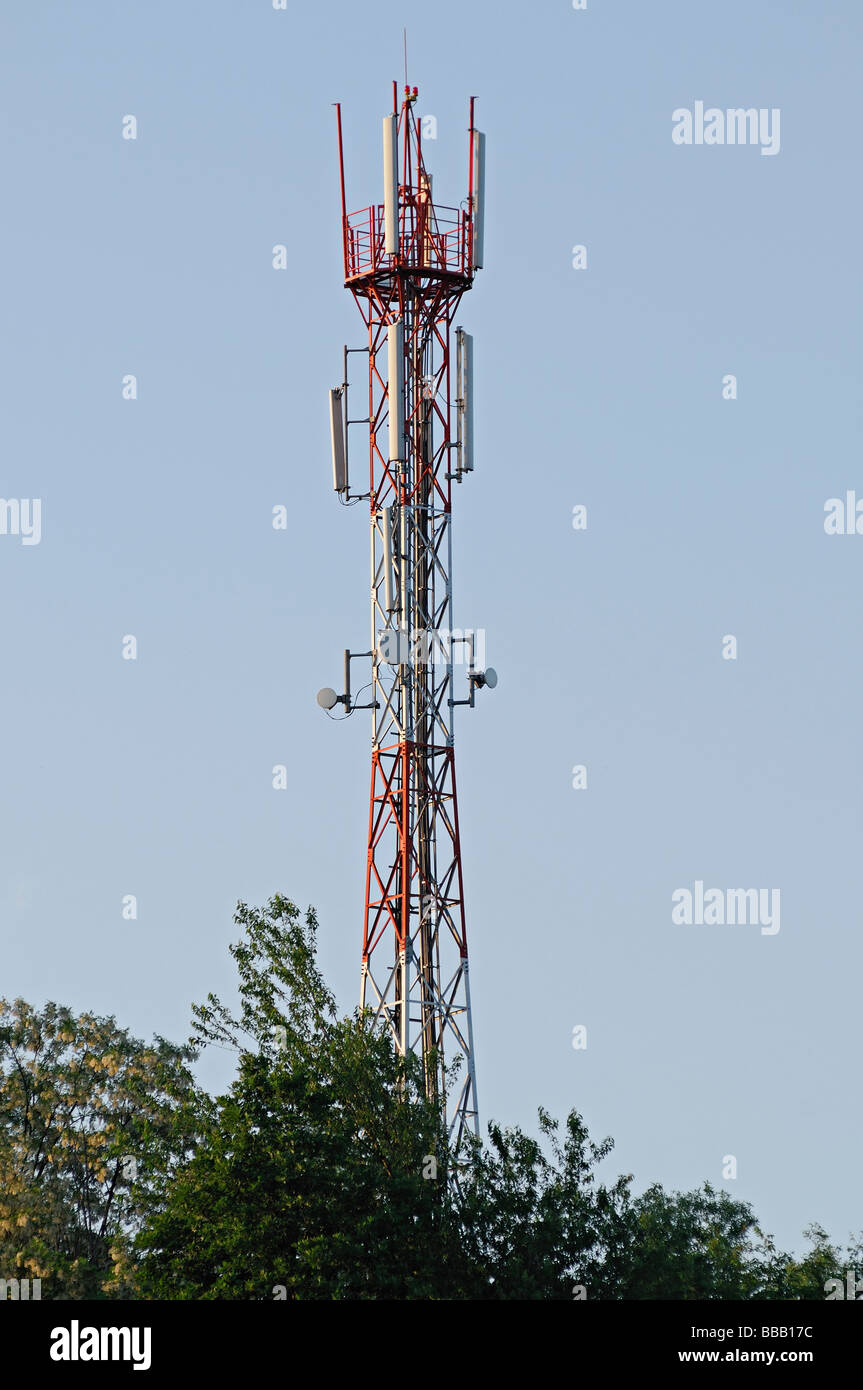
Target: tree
[
  {"x": 323, "y": 1174},
  {"x": 532, "y": 1217},
  {"x": 809, "y": 1277},
  {"x": 540, "y": 1224},
  {"x": 93, "y": 1122},
  {"x": 687, "y": 1245},
  {"x": 314, "y": 1178}
]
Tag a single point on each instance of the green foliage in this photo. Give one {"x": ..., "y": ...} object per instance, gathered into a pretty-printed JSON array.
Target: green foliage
[
  {"x": 692, "y": 1245},
  {"x": 787, "y": 1278},
  {"x": 532, "y": 1218},
  {"x": 83, "y": 1106},
  {"x": 325, "y": 1171},
  {"x": 543, "y": 1228},
  {"x": 312, "y": 1177}
]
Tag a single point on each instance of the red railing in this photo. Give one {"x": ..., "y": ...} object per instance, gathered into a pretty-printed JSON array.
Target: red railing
[{"x": 431, "y": 237}]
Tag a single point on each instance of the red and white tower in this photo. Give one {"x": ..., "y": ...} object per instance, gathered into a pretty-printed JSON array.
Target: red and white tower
[{"x": 408, "y": 261}]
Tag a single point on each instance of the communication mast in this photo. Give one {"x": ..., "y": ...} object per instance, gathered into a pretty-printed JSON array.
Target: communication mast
[{"x": 408, "y": 261}]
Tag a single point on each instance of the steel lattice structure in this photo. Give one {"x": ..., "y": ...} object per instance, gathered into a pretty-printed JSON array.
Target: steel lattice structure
[{"x": 408, "y": 262}]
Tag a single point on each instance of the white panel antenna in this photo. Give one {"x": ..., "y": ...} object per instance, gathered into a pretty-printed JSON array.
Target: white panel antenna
[
  {"x": 464, "y": 380},
  {"x": 478, "y": 199},
  {"x": 337, "y": 441},
  {"x": 389, "y": 587},
  {"x": 396, "y": 388},
  {"x": 391, "y": 185}
]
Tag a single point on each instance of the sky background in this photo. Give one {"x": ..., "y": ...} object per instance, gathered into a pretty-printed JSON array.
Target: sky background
[{"x": 600, "y": 386}]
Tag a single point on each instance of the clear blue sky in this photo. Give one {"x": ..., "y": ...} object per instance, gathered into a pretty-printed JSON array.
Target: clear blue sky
[{"x": 600, "y": 386}]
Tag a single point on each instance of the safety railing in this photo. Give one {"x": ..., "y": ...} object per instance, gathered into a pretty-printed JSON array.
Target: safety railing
[{"x": 430, "y": 237}]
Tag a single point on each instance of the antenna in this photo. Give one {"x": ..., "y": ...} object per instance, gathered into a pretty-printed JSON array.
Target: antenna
[
  {"x": 328, "y": 699},
  {"x": 396, "y": 388},
  {"x": 391, "y": 185},
  {"x": 387, "y": 523},
  {"x": 464, "y": 378},
  {"x": 478, "y": 208},
  {"x": 337, "y": 441}
]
